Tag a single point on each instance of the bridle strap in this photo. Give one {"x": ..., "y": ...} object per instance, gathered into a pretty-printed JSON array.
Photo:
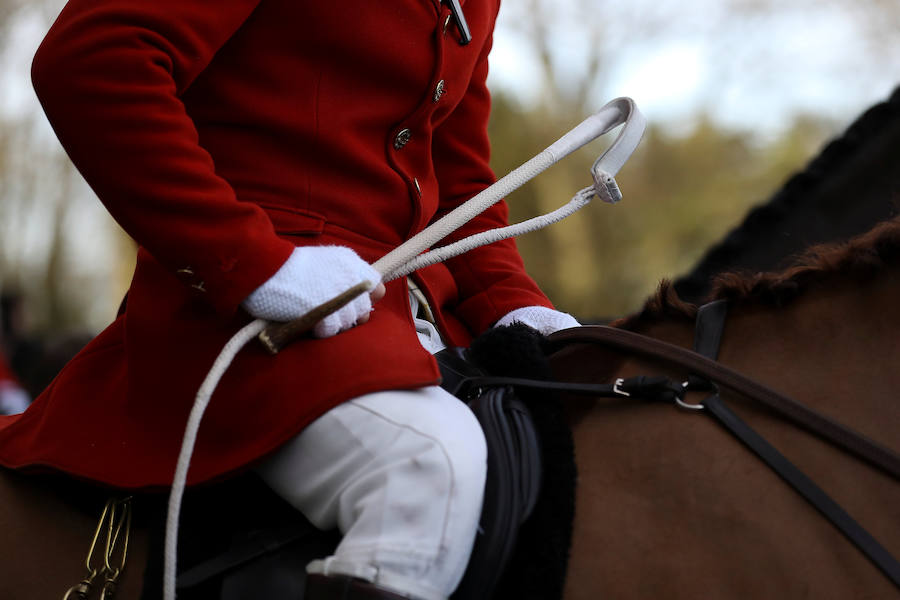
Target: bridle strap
[
  {"x": 707, "y": 337},
  {"x": 709, "y": 328},
  {"x": 838, "y": 434}
]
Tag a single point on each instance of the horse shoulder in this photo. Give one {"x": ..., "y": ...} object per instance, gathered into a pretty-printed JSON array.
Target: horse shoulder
[{"x": 46, "y": 542}]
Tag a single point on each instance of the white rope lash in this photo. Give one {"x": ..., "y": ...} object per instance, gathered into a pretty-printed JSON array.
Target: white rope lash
[
  {"x": 581, "y": 199},
  {"x": 412, "y": 255}
]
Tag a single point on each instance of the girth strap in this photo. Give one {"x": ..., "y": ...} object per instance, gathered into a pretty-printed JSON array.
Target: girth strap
[
  {"x": 838, "y": 434},
  {"x": 707, "y": 338}
]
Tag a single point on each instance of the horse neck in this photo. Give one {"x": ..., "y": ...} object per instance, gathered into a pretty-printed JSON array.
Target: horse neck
[
  {"x": 835, "y": 347},
  {"x": 662, "y": 487}
]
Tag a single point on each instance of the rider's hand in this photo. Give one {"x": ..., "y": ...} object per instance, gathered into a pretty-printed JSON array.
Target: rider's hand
[
  {"x": 544, "y": 320},
  {"x": 311, "y": 276}
]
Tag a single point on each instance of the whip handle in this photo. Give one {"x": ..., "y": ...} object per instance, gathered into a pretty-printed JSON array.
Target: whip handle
[{"x": 278, "y": 335}]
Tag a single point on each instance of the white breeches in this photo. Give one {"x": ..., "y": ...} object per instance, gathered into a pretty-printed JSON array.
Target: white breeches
[{"x": 401, "y": 474}]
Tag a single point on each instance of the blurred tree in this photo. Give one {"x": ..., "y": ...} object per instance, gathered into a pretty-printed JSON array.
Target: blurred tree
[
  {"x": 686, "y": 185},
  {"x": 7, "y": 8},
  {"x": 59, "y": 249},
  {"x": 681, "y": 193}
]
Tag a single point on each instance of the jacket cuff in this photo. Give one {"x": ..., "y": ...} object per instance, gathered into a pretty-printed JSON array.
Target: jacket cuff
[
  {"x": 225, "y": 284},
  {"x": 544, "y": 320}
]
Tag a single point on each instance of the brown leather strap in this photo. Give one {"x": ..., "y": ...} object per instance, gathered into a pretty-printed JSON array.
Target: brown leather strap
[{"x": 838, "y": 434}]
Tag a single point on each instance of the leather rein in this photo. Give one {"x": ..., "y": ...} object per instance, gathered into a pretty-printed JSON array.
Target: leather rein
[
  {"x": 707, "y": 368},
  {"x": 708, "y": 375}
]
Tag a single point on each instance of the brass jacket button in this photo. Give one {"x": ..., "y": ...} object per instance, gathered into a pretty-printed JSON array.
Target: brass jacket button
[{"x": 402, "y": 138}]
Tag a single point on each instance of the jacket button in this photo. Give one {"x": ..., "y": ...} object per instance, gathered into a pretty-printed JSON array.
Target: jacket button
[
  {"x": 188, "y": 277},
  {"x": 438, "y": 91},
  {"x": 402, "y": 138}
]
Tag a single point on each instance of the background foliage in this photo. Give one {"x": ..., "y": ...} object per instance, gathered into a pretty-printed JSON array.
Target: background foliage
[{"x": 682, "y": 192}]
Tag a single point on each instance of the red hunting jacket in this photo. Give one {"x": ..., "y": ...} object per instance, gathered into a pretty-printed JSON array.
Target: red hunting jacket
[{"x": 220, "y": 135}]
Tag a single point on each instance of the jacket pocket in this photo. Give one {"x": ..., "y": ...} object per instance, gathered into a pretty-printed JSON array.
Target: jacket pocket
[{"x": 292, "y": 221}]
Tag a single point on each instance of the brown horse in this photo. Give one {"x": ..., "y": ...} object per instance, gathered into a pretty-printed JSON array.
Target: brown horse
[{"x": 668, "y": 504}]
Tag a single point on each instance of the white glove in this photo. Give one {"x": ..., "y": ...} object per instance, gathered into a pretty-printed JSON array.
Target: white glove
[
  {"x": 544, "y": 320},
  {"x": 309, "y": 277}
]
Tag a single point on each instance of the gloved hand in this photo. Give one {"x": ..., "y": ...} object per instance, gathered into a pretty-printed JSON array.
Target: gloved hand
[
  {"x": 309, "y": 277},
  {"x": 544, "y": 320}
]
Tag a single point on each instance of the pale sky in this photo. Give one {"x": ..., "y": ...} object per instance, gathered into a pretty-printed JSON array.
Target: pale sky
[{"x": 751, "y": 71}]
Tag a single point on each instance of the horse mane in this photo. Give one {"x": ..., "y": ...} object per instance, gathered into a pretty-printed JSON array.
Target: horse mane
[
  {"x": 794, "y": 193},
  {"x": 861, "y": 258}
]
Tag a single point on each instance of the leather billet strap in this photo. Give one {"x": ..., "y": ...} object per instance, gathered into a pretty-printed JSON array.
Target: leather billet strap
[
  {"x": 659, "y": 388},
  {"x": 464, "y": 380},
  {"x": 828, "y": 429},
  {"x": 708, "y": 332}
]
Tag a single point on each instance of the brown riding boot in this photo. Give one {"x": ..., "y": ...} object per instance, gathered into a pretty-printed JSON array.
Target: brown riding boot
[{"x": 343, "y": 587}]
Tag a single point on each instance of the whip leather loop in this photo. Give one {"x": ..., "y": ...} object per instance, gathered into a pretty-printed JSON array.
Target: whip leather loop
[{"x": 840, "y": 435}]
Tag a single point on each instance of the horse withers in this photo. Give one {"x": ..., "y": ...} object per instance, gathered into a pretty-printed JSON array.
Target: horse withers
[{"x": 670, "y": 505}]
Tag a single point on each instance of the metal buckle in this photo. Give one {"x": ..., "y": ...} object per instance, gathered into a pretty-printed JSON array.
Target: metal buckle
[
  {"x": 685, "y": 385},
  {"x": 605, "y": 186}
]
